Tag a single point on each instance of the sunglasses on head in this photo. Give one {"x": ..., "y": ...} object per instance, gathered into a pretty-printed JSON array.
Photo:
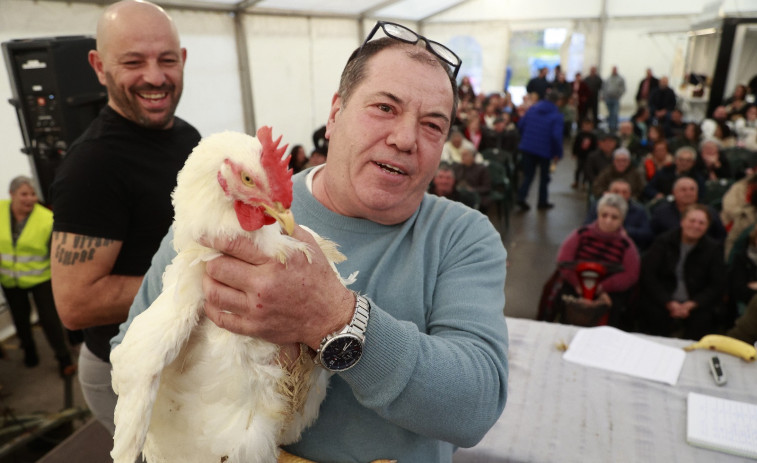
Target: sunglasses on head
[{"x": 403, "y": 34}]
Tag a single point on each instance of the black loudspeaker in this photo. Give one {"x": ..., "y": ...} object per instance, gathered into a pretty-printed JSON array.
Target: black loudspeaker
[{"x": 56, "y": 95}]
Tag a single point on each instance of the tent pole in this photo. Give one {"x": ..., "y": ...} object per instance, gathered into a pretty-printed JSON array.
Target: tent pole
[{"x": 245, "y": 75}]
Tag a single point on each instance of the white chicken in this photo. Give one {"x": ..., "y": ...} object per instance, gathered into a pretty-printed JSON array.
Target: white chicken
[{"x": 188, "y": 390}]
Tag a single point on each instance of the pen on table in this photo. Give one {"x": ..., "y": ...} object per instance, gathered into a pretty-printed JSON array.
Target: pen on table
[{"x": 717, "y": 371}]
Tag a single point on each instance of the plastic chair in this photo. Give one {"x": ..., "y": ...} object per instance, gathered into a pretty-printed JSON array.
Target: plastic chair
[
  {"x": 739, "y": 159},
  {"x": 714, "y": 191},
  {"x": 502, "y": 193}
]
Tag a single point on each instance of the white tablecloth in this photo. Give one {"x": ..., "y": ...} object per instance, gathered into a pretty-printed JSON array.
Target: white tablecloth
[{"x": 558, "y": 411}]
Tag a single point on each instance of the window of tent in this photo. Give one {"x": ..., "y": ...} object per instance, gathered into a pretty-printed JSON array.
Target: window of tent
[{"x": 471, "y": 54}]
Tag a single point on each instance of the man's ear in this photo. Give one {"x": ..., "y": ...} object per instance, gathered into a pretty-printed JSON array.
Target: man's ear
[
  {"x": 336, "y": 107},
  {"x": 97, "y": 65}
]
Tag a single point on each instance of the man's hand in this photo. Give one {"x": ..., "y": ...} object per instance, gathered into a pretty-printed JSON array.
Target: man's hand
[
  {"x": 249, "y": 293},
  {"x": 680, "y": 310}
]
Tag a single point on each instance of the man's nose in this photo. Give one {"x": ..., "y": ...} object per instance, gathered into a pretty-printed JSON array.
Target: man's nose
[
  {"x": 404, "y": 134},
  {"x": 154, "y": 74}
]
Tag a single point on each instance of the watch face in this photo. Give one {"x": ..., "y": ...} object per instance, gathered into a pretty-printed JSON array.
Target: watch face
[{"x": 342, "y": 352}]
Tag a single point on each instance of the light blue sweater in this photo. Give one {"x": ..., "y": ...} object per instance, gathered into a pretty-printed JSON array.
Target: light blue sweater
[{"x": 434, "y": 372}]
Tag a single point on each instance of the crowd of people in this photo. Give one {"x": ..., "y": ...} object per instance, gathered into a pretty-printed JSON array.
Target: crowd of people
[{"x": 687, "y": 187}]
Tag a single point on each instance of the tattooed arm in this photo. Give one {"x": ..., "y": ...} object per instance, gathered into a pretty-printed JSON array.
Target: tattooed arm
[{"x": 86, "y": 294}]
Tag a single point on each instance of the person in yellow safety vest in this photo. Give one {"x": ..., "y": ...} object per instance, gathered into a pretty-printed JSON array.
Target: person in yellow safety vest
[{"x": 25, "y": 230}]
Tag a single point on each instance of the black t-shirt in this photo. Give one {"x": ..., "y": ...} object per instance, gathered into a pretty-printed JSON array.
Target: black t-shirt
[{"x": 116, "y": 183}]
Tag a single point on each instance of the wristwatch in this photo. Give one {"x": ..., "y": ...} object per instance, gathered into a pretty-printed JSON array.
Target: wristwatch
[{"x": 342, "y": 350}]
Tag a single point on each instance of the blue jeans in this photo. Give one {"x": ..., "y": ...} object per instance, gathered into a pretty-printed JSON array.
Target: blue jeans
[
  {"x": 613, "y": 108},
  {"x": 530, "y": 161}
]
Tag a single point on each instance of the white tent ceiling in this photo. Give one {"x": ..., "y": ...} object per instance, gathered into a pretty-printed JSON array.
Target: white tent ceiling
[{"x": 467, "y": 10}]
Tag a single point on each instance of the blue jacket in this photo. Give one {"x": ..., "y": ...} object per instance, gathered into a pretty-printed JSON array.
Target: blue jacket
[{"x": 541, "y": 130}]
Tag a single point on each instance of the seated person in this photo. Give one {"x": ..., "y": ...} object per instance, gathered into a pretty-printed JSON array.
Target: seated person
[
  {"x": 655, "y": 133},
  {"x": 691, "y": 136},
  {"x": 656, "y": 159},
  {"x": 597, "y": 160},
  {"x": 604, "y": 241},
  {"x": 636, "y": 223},
  {"x": 630, "y": 141},
  {"x": 710, "y": 124},
  {"x": 676, "y": 125},
  {"x": 661, "y": 184},
  {"x": 504, "y": 135},
  {"x": 471, "y": 176},
  {"x": 443, "y": 184},
  {"x": 640, "y": 121},
  {"x": 682, "y": 279},
  {"x": 452, "y": 150},
  {"x": 711, "y": 164},
  {"x": 473, "y": 132},
  {"x": 746, "y": 128},
  {"x": 739, "y": 209},
  {"x": 620, "y": 168},
  {"x": 742, "y": 274},
  {"x": 667, "y": 215}
]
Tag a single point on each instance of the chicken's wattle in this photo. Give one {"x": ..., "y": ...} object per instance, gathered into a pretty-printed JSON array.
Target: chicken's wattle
[{"x": 251, "y": 217}]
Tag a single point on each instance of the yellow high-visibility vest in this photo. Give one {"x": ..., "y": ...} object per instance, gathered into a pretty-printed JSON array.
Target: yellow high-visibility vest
[{"x": 27, "y": 263}]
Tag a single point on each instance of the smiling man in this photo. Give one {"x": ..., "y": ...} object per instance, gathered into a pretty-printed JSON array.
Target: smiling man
[
  {"x": 427, "y": 370},
  {"x": 111, "y": 195}
]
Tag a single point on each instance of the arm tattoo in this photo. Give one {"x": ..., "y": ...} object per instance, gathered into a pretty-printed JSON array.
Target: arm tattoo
[{"x": 74, "y": 249}]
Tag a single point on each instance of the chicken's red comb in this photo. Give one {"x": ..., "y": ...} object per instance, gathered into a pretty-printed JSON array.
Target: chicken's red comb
[{"x": 276, "y": 166}]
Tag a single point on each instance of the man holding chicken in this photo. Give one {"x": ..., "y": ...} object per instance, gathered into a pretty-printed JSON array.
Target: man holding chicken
[{"x": 425, "y": 367}]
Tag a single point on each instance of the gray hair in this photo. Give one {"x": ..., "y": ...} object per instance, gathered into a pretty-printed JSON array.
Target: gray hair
[
  {"x": 710, "y": 141},
  {"x": 613, "y": 200},
  {"x": 621, "y": 152},
  {"x": 685, "y": 149},
  {"x": 20, "y": 181}
]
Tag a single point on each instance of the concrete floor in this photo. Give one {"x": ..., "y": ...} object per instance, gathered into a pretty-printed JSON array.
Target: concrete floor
[
  {"x": 532, "y": 241},
  {"x": 534, "y": 238},
  {"x": 37, "y": 393}
]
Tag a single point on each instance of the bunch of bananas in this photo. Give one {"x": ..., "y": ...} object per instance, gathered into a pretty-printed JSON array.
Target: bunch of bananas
[{"x": 726, "y": 345}]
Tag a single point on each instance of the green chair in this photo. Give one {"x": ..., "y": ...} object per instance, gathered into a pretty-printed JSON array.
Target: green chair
[
  {"x": 502, "y": 193},
  {"x": 714, "y": 191},
  {"x": 739, "y": 159}
]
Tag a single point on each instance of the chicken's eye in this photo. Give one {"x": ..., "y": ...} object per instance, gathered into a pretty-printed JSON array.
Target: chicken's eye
[{"x": 247, "y": 180}]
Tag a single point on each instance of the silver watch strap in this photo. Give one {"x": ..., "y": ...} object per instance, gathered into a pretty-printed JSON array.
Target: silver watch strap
[{"x": 359, "y": 322}]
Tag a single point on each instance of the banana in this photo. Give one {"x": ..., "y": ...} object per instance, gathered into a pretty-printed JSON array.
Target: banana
[{"x": 727, "y": 345}]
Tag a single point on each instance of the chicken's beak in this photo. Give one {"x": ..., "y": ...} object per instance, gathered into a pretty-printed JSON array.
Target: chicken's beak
[{"x": 283, "y": 216}]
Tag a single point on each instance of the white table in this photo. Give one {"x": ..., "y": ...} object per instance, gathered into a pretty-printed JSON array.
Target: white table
[{"x": 558, "y": 411}]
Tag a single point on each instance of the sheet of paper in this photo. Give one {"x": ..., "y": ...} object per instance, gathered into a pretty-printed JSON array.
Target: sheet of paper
[
  {"x": 615, "y": 350},
  {"x": 721, "y": 424}
]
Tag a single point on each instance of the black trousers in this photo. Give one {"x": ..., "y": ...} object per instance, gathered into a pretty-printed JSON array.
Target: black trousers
[
  {"x": 700, "y": 321},
  {"x": 20, "y": 307}
]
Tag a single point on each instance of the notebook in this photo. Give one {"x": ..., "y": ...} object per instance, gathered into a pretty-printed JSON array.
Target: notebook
[{"x": 721, "y": 424}]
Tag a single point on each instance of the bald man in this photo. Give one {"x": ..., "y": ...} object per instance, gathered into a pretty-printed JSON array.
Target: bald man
[
  {"x": 667, "y": 215},
  {"x": 112, "y": 193}
]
